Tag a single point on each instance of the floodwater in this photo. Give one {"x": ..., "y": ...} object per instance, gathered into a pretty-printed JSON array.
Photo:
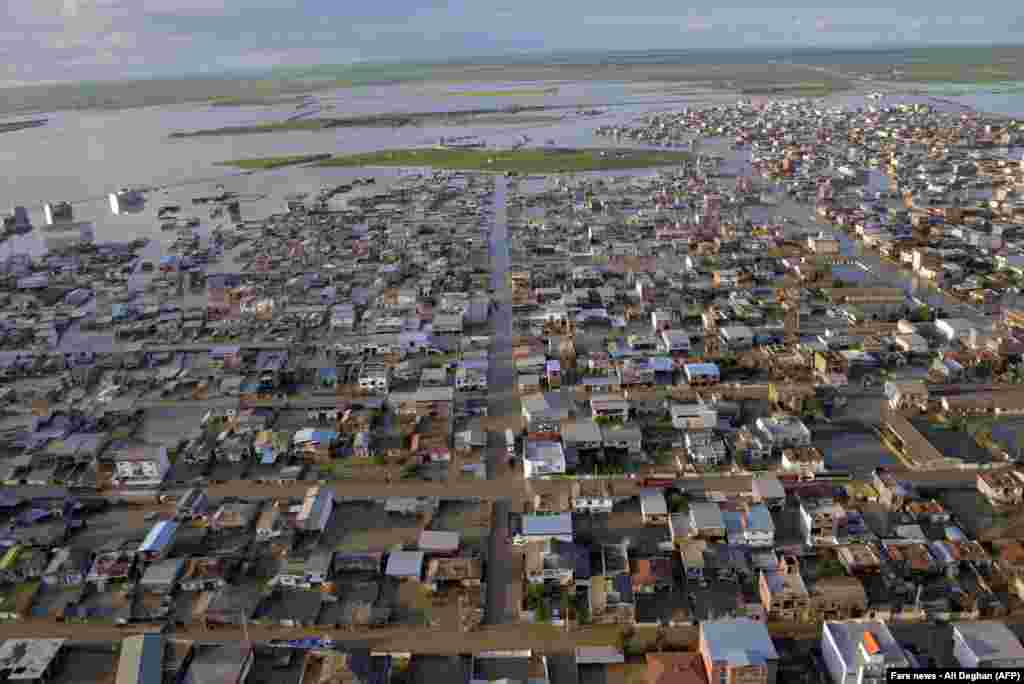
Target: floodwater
[
  {"x": 80, "y": 156},
  {"x": 86, "y": 154}
]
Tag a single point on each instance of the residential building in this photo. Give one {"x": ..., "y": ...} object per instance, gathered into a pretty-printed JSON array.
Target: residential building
[
  {"x": 158, "y": 541},
  {"x": 675, "y": 668},
  {"x": 859, "y": 558},
  {"x": 706, "y": 520},
  {"x": 539, "y": 528},
  {"x": 543, "y": 459},
  {"x": 838, "y": 598},
  {"x": 651, "y": 575},
  {"x": 193, "y": 504},
  {"x": 592, "y": 496},
  {"x": 627, "y": 438},
  {"x": 860, "y": 652},
  {"x": 582, "y": 435},
  {"x": 691, "y": 555},
  {"x": 819, "y": 521},
  {"x": 784, "y": 431},
  {"x": 805, "y": 461},
  {"x": 700, "y": 374},
  {"x": 227, "y": 663},
  {"x": 557, "y": 561},
  {"x": 30, "y": 661},
  {"x": 955, "y": 329},
  {"x": 439, "y": 542},
  {"x": 653, "y": 507},
  {"x": 738, "y": 650},
  {"x": 695, "y": 416},
  {"x": 142, "y": 660},
  {"x": 759, "y": 528},
  {"x": 737, "y": 337},
  {"x": 675, "y": 342},
  {"x": 67, "y": 566},
  {"x": 986, "y": 644},
  {"x": 705, "y": 448},
  {"x": 783, "y": 593},
  {"x": 907, "y": 394},
  {"x": 317, "y": 506},
  {"x": 405, "y": 565},
  {"x": 1001, "y": 487},
  {"x": 768, "y": 490},
  {"x": 374, "y": 378},
  {"x": 141, "y": 467}
]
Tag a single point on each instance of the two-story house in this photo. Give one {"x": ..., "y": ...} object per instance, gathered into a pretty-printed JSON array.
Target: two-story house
[
  {"x": 141, "y": 467},
  {"x": 738, "y": 651},
  {"x": 784, "y": 595},
  {"x": 861, "y": 652}
]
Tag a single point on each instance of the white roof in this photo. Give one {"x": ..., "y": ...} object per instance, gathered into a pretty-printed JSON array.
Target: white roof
[
  {"x": 438, "y": 540},
  {"x": 652, "y": 502},
  {"x": 405, "y": 564},
  {"x": 547, "y": 525},
  {"x": 768, "y": 488},
  {"x": 28, "y": 658}
]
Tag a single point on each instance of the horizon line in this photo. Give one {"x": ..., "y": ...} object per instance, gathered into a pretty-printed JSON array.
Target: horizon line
[{"x": 503, "y": 57}]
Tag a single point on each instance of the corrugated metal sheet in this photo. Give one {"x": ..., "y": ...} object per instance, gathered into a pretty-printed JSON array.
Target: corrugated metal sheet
[{"x": 142, "y": 659}]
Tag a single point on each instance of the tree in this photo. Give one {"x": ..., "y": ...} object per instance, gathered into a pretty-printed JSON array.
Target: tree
[
  {"x": 534, "y": 596},
  {"x": 661, "y": 642},
  {"x": 626, "y": 635}
]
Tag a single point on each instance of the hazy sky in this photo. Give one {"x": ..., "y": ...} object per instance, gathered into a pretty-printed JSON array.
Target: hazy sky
[{"x": 46, "y": 40}]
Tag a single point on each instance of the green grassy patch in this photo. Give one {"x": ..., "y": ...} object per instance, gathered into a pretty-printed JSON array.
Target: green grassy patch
[
  {"x": 800, "y": 89},
  {"x": 266, "y": 163},
  {"x": 520, "y": 161},
  {"x": 507, "y": 92},
  {"x": 956, "y": 73}
]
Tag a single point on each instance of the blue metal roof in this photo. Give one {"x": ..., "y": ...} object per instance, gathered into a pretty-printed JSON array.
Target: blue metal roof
[
  {"x": 726, "y": 638},
  {"x": 159, "y": 537}
]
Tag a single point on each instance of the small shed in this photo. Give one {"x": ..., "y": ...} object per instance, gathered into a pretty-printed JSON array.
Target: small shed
[
  {"x": 439, "y": 542},
  {"x": 405, "y": 565}
]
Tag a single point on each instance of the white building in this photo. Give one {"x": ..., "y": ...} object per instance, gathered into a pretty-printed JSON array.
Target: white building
[
  {"x": 988, "y": 644},
  {"x": 955, "y": 328},
  {"x": 141, "y": 467},
  {"x": 860, "y": 652},
  {"x": 539, "y": 528},
  {"x": 543, "y": 459},
  {"x": 701, "y": 373},
  {"x": 317, "y": 506},
  {"x": 784, "y": 432},
  {"x": 705, "y": 448},
  {"x": 675, "y": 341},
  {"x": 760, "y": 528},
  {"x": 737, "y": 336},
  {"x": 57, "y": 212},
  {"x": 695, "y": 416},
  {"x": 374, "y": 378},
  {"x": 126, "y": 201}
]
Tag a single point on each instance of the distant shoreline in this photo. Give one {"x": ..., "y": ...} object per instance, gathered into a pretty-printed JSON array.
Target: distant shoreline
[{"x": 11, "y": 126}]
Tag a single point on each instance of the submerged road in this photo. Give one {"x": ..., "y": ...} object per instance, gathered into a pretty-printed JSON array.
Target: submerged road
[{"x": 501, "y": 563}]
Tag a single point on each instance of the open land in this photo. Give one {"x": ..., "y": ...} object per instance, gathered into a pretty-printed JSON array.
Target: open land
[
  {"x": 506, "y": 92},
  {"x": 367, "y": 121},
  {"x": 268, "y": 163},
  {"x": 498, "y": 161}
]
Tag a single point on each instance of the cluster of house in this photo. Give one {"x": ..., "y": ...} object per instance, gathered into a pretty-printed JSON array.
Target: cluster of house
[
  {"x": 737, "y": 650},
  {"x": 333, "y": 300},
  {"x": 867, "y": 550},
  {"x": 225, "y": 562}
]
